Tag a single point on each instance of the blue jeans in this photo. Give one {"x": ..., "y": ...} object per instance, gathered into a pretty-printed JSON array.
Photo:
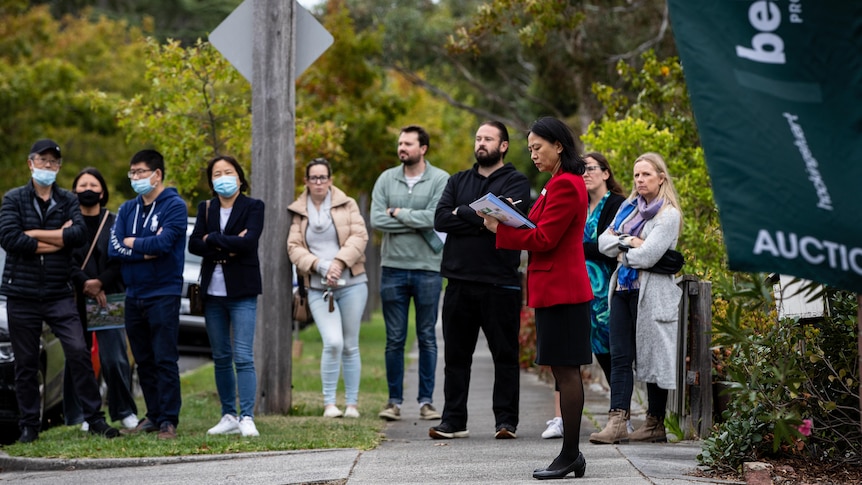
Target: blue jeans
[
  {"x": 339, "y": 331},
  {"x": 397, "y": 287},
  {"x": 240, "y": 314},
  {"x": 152, "y": 325}
]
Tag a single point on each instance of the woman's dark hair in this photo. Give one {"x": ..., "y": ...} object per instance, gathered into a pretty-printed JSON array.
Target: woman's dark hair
[
  {"x": 611, "y": 183},
  {"x": 243, "y": 185},
  {"x": 555, "y": 131},
  {"x": 95, "y": 173},
  {"x": 319, "y": 161}
]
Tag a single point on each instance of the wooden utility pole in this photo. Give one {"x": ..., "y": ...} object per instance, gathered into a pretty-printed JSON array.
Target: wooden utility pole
[{"x": 273, "y": 149}]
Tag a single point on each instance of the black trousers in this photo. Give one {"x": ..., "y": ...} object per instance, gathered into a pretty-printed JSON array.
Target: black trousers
[
  {"x": 25, "y": 328},
  {"x": 467, "y": 307}
]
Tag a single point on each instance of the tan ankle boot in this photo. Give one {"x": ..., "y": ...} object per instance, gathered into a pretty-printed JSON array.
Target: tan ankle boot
[
  {"x": 652, "y": 431},
  {"x": 615, "y": 431}
]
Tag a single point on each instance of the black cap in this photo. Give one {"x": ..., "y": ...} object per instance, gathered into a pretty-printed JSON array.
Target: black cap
[{"x": 42, "y": 146}]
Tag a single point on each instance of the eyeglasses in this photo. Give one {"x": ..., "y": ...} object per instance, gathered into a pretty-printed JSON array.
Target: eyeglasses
[
  {"x": 47, "y": 162},
  {"x": 317, "y": 179},
  {"x": 133, "y": 174},
  {"x": 592, "y": 168}
]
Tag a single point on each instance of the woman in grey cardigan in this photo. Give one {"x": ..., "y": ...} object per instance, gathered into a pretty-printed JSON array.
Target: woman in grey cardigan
[{"x": 644, "y": 305}]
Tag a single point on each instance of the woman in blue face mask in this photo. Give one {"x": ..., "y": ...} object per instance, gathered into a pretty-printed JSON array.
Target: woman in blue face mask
[{"x": 226, "y": 235}]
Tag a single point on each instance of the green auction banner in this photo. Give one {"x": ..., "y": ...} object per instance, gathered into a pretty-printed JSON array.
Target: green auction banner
[{"x": 776, "y": 88}]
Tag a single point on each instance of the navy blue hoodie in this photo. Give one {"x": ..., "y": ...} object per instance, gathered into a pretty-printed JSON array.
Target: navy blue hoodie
[{"x": 159, "y": 232}]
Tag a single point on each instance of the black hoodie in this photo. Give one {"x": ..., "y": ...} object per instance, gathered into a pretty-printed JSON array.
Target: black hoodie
[{"x": 470, "y": 252}]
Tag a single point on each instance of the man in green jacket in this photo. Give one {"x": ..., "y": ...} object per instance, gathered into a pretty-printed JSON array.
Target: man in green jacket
[{"x": 402, "y": 208}]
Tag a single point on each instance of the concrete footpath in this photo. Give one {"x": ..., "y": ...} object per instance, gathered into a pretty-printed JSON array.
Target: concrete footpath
[{"x": 408, "y": 455}]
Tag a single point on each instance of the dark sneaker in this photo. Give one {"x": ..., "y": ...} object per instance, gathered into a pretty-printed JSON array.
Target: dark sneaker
[
  {"x": 445, "y": 431},
  {"x": 29, "y": 434},
  {"x": 390, "y": 413},
  {"x": 167, "y": 431},
  {"x": 505, "y": 432},
  {"x": 144, "y": 426},
  {"x": 428, "y": 412},
  {"x": 101, "y": 428}
]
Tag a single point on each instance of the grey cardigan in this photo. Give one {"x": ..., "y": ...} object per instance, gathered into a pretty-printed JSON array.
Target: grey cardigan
[{"x": 658, "y": 301}]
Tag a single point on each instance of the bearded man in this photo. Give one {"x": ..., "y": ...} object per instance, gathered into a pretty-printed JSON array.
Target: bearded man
[{"x": 483, "y": 286}]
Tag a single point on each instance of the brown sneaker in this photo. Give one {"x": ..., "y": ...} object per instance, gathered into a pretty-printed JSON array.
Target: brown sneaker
[
  {"x": 144, "y": 426},
  {"x": 168, "y": 431}
]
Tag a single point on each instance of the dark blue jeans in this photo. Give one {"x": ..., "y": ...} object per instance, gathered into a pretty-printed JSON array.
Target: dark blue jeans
[
  {"x": 152, "y": 325},
  {"x": 397, "y": 287},
  {"x": 623, "y": 328},
  {"x": 25, "y": 328},
  {"x": 467, "y": 307}
]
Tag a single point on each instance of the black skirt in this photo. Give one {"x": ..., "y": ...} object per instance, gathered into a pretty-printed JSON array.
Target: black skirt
[{"x": 563, "y": 335}]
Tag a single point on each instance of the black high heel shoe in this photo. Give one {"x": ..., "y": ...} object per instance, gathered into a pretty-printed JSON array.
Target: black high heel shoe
[{"x": 579, "y": 466}]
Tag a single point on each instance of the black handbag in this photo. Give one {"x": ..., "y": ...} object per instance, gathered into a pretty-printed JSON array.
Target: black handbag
[
  {"x": 196, "y": 299},
  {"x": 671, "y": 262}
]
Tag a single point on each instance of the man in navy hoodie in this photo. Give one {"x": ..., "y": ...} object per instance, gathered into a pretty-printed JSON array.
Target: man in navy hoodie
[
  {"x": 149, "y": 238},
  {"x": 483, "y": 287}
]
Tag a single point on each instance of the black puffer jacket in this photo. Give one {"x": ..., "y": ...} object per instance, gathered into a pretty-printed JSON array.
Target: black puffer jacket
[{"x": 34, "y": 276}]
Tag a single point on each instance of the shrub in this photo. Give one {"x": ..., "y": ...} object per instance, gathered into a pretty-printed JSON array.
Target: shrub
[{"x": 784, "y": 377}]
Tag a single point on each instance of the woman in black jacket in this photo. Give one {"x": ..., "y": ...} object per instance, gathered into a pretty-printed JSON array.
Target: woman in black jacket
[
  {"x": 98, "y": 278},
  {"x": 226, "y": 235},
  {"x": 606, "y": 195}
]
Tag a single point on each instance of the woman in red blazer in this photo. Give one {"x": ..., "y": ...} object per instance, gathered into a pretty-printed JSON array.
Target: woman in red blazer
[{"x": 557, "y": 281}]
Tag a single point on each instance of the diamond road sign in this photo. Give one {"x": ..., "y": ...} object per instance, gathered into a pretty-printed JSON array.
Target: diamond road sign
[{"x": 234, "y": 38}]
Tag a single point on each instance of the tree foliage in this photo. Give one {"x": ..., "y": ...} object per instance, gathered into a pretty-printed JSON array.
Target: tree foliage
[
  {"x": 46, "y": 68},
  {"x": 514, "y": 60},
  {"x": 183, "y": 20},
  {"x": 196, "y": 106}
]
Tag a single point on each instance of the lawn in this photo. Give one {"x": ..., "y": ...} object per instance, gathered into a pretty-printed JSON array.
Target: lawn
[{"x": 302, "y": 429}]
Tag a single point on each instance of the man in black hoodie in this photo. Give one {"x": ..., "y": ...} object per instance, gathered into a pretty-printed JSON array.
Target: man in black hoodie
[{"x": 483, "y": 289}]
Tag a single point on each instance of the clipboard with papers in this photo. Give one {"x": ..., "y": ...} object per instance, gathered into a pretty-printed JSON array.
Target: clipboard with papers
[{"x": 503, "y": 210}]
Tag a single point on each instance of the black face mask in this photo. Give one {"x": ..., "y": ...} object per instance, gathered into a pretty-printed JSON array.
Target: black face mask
[{"x": 88, "y": 198}]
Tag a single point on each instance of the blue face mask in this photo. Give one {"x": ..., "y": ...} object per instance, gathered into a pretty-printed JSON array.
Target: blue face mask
[
  {"x": 225, "y": 185},
  {"x": 43, "y": 177},
  {"x": 142, "y": 186}
]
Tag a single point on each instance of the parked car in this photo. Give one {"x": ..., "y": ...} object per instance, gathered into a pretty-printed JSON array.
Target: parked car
[
  {"x": 193, "y": 330},
  {"x": 52, "y": 360}
]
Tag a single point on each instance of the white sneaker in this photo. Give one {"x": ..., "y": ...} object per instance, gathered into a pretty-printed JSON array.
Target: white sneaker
[
  {"x": 332, "y": 412},
  {"x": 351, "y": 412},
  {"x": 130, "y": 422},
  {"x": 555, "y": 429},
  {"x": 85, "y": 426},
  {"x": 247, "y": 427},
  {"x": 227, "y": 425}
]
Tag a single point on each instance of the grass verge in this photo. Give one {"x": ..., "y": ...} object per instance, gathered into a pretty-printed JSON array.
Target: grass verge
[{"x": 302, "y": 429}]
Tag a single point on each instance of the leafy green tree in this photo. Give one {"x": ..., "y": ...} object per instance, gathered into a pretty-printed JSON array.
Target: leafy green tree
[
  {"x": 46, "y": 68},
  {"x": 183, "y": 20},
  {"x": 196, "y": 106}
]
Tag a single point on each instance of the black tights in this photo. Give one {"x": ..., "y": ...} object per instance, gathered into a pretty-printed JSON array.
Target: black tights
[
  {"x": 572, "y": 406},
  {"x": 657, "y": 400}
]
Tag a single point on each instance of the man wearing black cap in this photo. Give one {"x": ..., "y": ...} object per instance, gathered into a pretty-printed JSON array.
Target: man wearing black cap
[{"x": 40, "y": 225}]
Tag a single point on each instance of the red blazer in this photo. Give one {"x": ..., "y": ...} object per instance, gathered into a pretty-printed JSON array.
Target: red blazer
[{"x": 557, "y": 270}]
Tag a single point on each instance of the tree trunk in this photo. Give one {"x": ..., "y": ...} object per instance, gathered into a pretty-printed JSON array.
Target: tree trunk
[{"x": 273, "y": 151}]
